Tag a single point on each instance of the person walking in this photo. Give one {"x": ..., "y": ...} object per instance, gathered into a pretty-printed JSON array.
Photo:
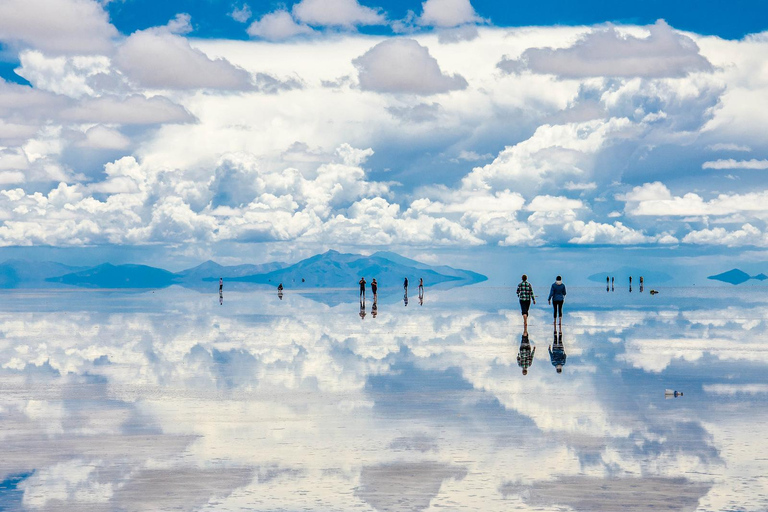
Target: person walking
[
  {"x": 374, "y": 289},
  {"x": 525, "y": 294},
  {"x": 362, "y": 287},
  {"x": 556, "y": 298}
]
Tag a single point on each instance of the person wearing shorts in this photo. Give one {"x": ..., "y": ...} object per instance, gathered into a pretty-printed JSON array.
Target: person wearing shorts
[
  {"x": 525, "y": 294},
  {"x": 556, "y": 298}
]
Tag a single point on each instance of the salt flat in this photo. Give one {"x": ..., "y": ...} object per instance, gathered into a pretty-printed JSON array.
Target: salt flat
[{"x": 168, "y": 400}]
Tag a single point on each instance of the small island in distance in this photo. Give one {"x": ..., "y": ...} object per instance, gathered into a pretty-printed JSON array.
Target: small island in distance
[
  {"x": 331, "y": 269},
  {"x": 737, "y": 276}
]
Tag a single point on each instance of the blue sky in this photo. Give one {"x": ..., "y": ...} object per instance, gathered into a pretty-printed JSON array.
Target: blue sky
[
  {"x": 182, "y": 131},
  {"x": 729, "y": 20}
]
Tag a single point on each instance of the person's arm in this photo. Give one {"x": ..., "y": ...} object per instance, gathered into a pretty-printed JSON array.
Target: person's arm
[
  {"x": 533, "y": 352},
  {"x": 563, "y": 290},
  {"x": 533, "y": 297},
  {"x": 551, "y": 293}
]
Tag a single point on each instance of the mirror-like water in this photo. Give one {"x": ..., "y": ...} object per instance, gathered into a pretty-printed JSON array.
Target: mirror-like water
[{"x": 168, "y": 400}]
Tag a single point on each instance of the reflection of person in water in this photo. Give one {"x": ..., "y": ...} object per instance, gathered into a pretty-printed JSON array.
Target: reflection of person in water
[
  {"x": 405, "y": 298},
  {"x": 557, "y": 352},
  {"x": 362, "y": 287},
  {"x": 525, "y": 355},
  {"x": 374, "y": 289},
  {"x": 374, "y": 308},
  {"x": 362, "y": 310}
]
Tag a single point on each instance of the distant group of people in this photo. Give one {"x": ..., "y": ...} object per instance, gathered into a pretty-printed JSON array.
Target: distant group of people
[
  {"x": 375, "y": 288},
  {"x": 609, "y": 282}
]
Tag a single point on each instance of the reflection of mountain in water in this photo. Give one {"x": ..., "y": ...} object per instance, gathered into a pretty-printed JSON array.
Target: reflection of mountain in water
[{"x": 736, "y": 276}]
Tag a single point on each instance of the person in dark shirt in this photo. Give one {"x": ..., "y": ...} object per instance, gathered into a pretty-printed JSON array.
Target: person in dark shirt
[
  {"x": 362, "y": 287},
  {"x": 557, "y": 352},
  {"x": 525, "y": 354},
  {"x": 374, "y": 289},
  {"x": 405, "y": 285},
  {"x": 556, "y": 298}
]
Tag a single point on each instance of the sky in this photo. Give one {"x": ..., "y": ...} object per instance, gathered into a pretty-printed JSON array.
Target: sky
[{"x": 185, "y": 130}]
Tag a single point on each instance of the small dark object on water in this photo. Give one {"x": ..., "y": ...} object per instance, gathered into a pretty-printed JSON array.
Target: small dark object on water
[
  {"x": 653, "y": 292},
  {"x": 668, "y": 393}
]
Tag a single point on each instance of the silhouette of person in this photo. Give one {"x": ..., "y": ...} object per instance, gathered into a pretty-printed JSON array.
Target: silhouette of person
[
  {"x": 405, "y": 285},
  {"x": 525, "y": 294},
  {"x": 607, "y": 283},
  {"x": 221, "y": 284},
  {"x": 421, "y": 288},
  {"x": 642, "y": 287},
  {"x": 280, "y": 287},
  {"x": 374, "y": 308},
  {"x": 525, "y": 354},
  {"x": 557, "y": 352},
  {"x": 556, "y": 298},
  {"x": 612, "y": 289},
  {"x": 362, "y": 310},
  {"x": 374, "y": 289},
  {"x": 362, "y": 287}
]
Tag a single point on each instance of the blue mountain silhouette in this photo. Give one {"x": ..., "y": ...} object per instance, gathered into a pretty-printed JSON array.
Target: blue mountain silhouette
[
  {"x": 737, "y": 276},
  {"x": 119, "y": 276},
  {"x": 31, "y": 274},
  {"x": 334, "y": 269},
  {"x": 328, "y": 270}
]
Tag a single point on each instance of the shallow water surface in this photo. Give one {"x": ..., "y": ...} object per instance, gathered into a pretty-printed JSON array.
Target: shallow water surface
[{"x": 169, "y": 400}]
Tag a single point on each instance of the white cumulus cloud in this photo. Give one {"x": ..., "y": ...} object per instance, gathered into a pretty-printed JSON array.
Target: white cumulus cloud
[
  {"x": 276, "y": 26},
  {"x": 57, "y": 26},
  {"x": 404, "y": 66},
  {"x": 447, "y": 13},
  {"x": 338, "y": 13},
  {"x": 606, "y": 52}
]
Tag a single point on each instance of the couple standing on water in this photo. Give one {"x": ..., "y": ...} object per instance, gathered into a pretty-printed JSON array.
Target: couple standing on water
[{"x": 556, "y": 298}]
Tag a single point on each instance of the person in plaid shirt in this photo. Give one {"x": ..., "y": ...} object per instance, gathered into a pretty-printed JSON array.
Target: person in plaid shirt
[
  {"x": 525, "y": 294},
  {"x": 525, "y": 355}
]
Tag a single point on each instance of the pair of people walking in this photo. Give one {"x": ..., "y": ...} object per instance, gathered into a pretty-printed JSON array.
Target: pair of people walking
[
  {"x": 374, "y": 288},
  {"x": 556, "y": 298}
]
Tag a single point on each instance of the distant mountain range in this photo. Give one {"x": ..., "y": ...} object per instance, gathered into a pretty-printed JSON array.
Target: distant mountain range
[
  {"x": 736, "y": 276},
  {"x": 328, "y": 270},
  {"x": 622, "y": 275}
]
